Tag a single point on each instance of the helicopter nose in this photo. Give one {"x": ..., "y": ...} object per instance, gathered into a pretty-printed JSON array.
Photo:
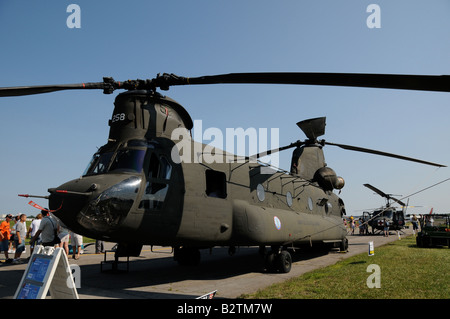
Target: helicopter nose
[
  {"x": 100, "y": 211},
  {"x": 66, "y": 205},
  {"x": 106, "y": 212}
]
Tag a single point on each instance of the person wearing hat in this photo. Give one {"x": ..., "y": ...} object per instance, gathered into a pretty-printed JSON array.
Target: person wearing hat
[{"x": 5, "y": 234}]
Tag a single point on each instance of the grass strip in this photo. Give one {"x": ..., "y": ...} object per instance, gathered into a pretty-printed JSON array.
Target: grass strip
[{"x": 406, "y": 272}]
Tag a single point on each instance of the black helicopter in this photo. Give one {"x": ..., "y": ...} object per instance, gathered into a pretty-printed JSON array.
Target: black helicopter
[
  {"x": 395, "y": 217},
  {"x": 137, "y": 191}
]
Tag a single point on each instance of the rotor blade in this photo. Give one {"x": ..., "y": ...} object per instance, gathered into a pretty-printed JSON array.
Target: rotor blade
[
  {"x": 38, "y": 89},
  {"x": 275, "y": 150},
  {"x": 366, "y": 150},
  {"x": 108, "y": 86},
  {"x": 440, "y": 83},
  {"x": 376, "y": 190},
  {"x": 398, "y": 201},
  {"x": 381, "y": 193}
]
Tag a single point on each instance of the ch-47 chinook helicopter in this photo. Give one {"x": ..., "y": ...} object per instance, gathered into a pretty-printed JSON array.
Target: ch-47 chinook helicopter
[
  {"x": 135, "y": 192},
  {"x": 394, "y": 216}
]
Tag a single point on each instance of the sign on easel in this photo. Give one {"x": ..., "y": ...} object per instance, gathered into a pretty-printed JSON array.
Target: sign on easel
[
  {"x": 48, "y": 270},
  {"x": 371, "y": 249}
]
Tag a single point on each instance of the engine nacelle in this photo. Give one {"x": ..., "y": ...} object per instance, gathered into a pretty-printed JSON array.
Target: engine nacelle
[{"x": 327, "y": 179}]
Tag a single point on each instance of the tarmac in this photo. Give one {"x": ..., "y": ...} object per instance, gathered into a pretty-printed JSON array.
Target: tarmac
[{"x": 155, "y": 275}]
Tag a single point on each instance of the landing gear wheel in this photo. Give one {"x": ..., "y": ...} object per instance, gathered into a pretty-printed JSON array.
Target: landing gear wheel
[
  {"x": 284, "y": 262},
  {"x": 278, "y": 262},
  {"x": 344, "y": 245}
]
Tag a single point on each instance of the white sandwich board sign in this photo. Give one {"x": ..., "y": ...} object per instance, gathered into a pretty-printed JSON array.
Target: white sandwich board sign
[{"x": 47, "y": 271}]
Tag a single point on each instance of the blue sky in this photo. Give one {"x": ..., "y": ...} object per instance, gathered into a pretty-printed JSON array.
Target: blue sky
[{"x": 48, "y": 139}]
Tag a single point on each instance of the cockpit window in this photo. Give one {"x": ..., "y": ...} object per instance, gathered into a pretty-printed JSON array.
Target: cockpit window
[
  {"x": 159, "y": 167},
  {"x": 99, "y": 164},
  {"x": 388, "y": 214},
  {"x": 128, "y": 160},
  {"x": 157, "y": 187}
]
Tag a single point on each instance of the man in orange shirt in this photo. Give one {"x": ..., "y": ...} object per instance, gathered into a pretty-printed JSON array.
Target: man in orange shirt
[{"x": 5, "y": 234}]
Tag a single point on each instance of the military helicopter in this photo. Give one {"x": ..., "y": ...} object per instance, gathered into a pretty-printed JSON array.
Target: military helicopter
[
  {"x": 395, "y": 217},
  {"x": 137, "y": 191}
]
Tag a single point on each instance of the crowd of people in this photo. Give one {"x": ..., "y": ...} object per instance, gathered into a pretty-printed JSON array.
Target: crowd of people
[
  {"x": 363, "y": 226},
  {"x": 353, "y": 224},
  {"x": 45, "y": 230}
]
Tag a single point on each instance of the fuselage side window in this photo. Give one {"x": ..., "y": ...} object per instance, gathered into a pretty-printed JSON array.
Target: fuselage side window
[
  {"x": 157, "y": 185},
  {"x": 216, "y": 184}
]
